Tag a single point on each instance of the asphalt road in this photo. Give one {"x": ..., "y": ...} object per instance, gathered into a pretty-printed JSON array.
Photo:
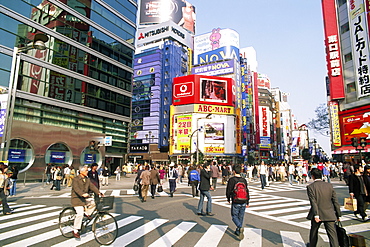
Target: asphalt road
[{"x": 276, "y": 217}]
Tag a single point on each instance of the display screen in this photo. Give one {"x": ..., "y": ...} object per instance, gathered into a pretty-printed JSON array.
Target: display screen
[
  {"x": 16, "y": 155},
  {"x": 57, "y": 157}
]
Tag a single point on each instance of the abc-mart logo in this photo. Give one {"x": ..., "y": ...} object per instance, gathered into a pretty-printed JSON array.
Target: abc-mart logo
[{"x": 184, "y": 90}]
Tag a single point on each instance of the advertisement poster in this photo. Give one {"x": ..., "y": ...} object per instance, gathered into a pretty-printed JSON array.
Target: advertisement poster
[
  {"x": 356, "y": 125},
  {"x": 213, "y": 90},
  {"x": 16, "y": 155},
  {"x": 57, "y": 157},
  {"x": 183, "y": 130},
  {"x": 214, "y": 133},
  {"x": 90, "y": 158}
]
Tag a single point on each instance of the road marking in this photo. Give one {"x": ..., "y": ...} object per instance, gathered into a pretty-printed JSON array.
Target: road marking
[
  {"x": 116, "y": 193},
  {"x": 252, "y": 237},
  {"x": 171, "y": 237},
  {"x": 286, "y": 210},
  {"x": 16, "y": 214},
  {"x": 212, "y": 236},
  {"x": 137, "y": 233},
  {"x": 278, "y": 205},
  {"x": 292, "y": 239}
]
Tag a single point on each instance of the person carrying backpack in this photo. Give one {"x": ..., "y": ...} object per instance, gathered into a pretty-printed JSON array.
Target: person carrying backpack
[{"x": 238, "y": 194}]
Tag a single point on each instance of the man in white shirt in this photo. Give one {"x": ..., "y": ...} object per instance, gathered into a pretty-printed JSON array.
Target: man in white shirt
[{"x": 263, "y": 172}]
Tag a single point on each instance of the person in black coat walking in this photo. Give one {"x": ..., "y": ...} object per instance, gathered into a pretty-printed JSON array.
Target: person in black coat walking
[
  {"x": 204, "y": 187},
  {"x": 359, "y": 187}
]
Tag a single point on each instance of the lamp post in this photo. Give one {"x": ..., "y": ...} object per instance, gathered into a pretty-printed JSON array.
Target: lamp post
[{"x": 39, "y": 44}]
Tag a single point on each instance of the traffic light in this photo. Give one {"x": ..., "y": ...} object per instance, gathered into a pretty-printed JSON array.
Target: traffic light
[
  {"x": 182, "y": 150},
  {"x": 186, "y": 150},
  {"x": 354, "y": 142},
  {"x": 363, "y": 142}
]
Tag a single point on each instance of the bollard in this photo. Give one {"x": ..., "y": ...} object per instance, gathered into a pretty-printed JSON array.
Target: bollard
[{"x": 357, "y": 240}]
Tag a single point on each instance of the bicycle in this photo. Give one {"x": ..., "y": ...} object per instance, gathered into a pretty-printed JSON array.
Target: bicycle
[{"x": 104, "y": 225}]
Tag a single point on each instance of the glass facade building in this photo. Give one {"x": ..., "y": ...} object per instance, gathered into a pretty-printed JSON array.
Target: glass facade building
[{"x": 75, "y": 91}]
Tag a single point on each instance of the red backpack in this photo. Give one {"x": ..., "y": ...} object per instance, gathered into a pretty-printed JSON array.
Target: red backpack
[{"x": 240, "y": 193}]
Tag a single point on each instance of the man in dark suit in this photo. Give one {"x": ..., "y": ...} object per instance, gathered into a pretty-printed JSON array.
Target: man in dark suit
[
  {"x": 358, "y": 187},
  {"x": 324, "y": 208}
]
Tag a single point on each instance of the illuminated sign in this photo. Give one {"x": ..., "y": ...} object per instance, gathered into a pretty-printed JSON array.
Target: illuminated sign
[
  {"x": 215, "y": 69},
  {"x": 185, "y": 89},
  {"x": 264, "y": 122},
  {"x": 211, "y": 149},
  {"x": 183, "y": 131},
  {"x": 214, "y": 109},
  {"x": 335, "y": 124}
]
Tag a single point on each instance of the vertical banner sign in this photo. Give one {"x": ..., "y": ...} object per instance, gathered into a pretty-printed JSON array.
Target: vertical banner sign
[
  {"x": 333, "y": 53},
  {"x": 360, "y": 41},
  {"x": 184, "y": 131},
  {"x": 335, "y": 124}
]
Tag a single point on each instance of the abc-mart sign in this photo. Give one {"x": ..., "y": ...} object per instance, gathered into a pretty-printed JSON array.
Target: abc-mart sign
[{"x": 161, "y": 31}]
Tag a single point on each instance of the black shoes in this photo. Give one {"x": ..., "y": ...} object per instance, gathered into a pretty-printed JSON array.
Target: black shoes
[
  {"x": 207, "y": 214},
  {"x": 210, "y": 214},
  {"x": 201, "y": 214}
]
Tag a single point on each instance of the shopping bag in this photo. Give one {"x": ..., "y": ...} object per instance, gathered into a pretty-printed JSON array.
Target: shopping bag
[
  {"x": 350, "y": 204},
  {"x": 160, "y": 188},
  {"x": 343, "y": 238},
  {"x": 136, "y": 187}
]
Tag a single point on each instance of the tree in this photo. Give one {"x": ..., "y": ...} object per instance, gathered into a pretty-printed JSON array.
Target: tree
[{"x": 321, "y": 122}]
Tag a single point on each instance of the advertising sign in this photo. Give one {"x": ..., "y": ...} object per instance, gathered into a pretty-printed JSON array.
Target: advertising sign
[
  {"x": 183, "y": 131},
  {"x": 90, "y": 158},
  {"x": 333, "y": 51},
  {"x": 57, "y": 157},
  {"x": 211, "y": 149},
  {"x": 214, "y": 109},
  {"x": 213, "y": 90},
  {"x": 265, "y": 121},
  {"x": 179, "y": 11},
  {"x": 265, "y": 142},
  {"x": 215, "y": 69},
  {"x": 216, "y": 45},
  {"x": 16, "y": 155},
  {"x": 360, "y": 40},
  {"x": 139, "y": 148},
  {"x": 356, "y": 125},
  {"x": 214, "y": 133},
  {"x": 263, "y": 81},
  {"x": 335, "y": 124}
]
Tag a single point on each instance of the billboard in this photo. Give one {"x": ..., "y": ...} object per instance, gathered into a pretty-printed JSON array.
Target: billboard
[
  {"x": 360, "y": 39},
  {"x": 57, "y": 157},
  {"x": 197, "y": 89},
  {"x": 355, "y": 124},
  {"x": 179, "y": 11},
  {"x": 183, "y": 131},
  {"x": 16, "y": 155},
  {"x": 215, "y": 69},
  {"x": 265, "y": 121},
  {"x": 220, "y": 44},
  {"x": 263, "y": 81},
  {"x": 333, "y": 51},
  {"x": 335, "y": 124},
  {"x": 214, "y": 133}
]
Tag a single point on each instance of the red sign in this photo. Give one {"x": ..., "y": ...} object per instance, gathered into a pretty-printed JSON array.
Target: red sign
[
  {"x": 185, "y": 89},
  {"x": 355, "y": 123},
  {"x": 333, "y": 53}
]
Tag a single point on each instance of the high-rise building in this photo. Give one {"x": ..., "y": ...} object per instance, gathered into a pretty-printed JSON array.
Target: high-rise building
[
  {"x": 346, "y": 26},
  {"x": 73, "y": 100}
]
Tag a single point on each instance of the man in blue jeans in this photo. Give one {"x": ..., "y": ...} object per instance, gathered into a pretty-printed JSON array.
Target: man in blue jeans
[
  {"x": 204, "y": 187},
  {"x": 238, "y": 204}
]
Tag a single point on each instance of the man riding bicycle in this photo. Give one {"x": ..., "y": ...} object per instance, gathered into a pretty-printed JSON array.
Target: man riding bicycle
[{"x": 80, "y": 198}]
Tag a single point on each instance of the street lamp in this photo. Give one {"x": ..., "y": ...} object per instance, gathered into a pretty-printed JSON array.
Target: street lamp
[
  {"x": 39, "y": 44},
  {"x": 191, "y": 136}
]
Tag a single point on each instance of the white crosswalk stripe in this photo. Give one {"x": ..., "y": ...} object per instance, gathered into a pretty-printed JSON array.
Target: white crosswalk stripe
[{"x": 31, "y": 218}]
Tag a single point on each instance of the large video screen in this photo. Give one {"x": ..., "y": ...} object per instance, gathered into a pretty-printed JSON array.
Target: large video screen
[
  {"x": 213, "y": 90},
  {"x": 214, "y": 133}
]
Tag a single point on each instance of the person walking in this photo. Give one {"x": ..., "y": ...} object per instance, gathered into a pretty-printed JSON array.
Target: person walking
[
  {"x": 145, "y": 182},
  {"x": 194, "y": 179},
  {"x": 215, "y": 174},
  {"x": 138, "y": 180},
  {"x": 291, "y": 170},
  {"x": 118, "y": 173},
  {"x": 263, "y": 172},
  {"x": 358, "y": 188},
  {"x": 172, "y": 176},
  {"x": 324, "y": 209},
  {"x": 105, "y": 174},
  {"x": 154, "y": 180},
  {"x": 67, "y": 172},
  {"x": 204, "y": 187},
  {"x": 48, "y": 173},
  {"x": 238, "y": 203},
  {"x": 72, "y": 175},
  {"x": 93, "y": 175},
  {"x": 3, "y": 188},
  {"x": 13, "y": 180}
]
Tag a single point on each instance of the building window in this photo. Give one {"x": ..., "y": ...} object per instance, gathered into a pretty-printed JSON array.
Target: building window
[
  {"x": 347, "y": 57},
  {"x": 344, "y": 28},
  {"x": 21, "y": 154},
  {"x": 351, "y": 87},
  {"x": 341, "y": 2}
]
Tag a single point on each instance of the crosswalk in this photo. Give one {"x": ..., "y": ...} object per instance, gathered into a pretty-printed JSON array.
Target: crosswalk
[{"x": 37, "y": 225}]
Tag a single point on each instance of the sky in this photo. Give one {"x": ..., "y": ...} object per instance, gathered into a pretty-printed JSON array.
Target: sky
[{"x": 288, "y": 37}]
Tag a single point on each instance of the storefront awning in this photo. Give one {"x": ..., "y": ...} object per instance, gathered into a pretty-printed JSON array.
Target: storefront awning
[{"x": 349, "y": 150}]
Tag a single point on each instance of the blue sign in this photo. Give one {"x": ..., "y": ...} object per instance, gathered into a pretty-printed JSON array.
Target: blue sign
[
  {"x": 16, "y": 155},
  {"x": 57, "y": 157},
  {"x": 2, "y": 121},
  {"x": 90, "y": 158}
]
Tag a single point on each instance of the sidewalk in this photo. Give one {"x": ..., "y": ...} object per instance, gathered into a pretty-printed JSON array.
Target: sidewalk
[{"x": 38, "y": 189}]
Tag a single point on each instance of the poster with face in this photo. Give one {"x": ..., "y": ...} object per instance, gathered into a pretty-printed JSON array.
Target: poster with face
[{"x": 213, "y": 90}]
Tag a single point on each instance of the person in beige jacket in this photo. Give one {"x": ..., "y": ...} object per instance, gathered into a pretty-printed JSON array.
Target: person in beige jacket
[
  {"x": 154, "y": 180},
  {"x": 145, "y": 182}
]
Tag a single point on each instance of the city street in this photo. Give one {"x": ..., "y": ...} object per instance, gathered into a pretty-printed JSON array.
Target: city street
[{"x": 276, "y": 217}]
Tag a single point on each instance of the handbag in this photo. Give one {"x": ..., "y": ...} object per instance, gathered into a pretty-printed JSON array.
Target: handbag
[
  {"x": 136, "y": 187},
  {"x": 350, "y": 204},
  {"x": 160, "y": 188},
  {"x": 343, "y": 238}
]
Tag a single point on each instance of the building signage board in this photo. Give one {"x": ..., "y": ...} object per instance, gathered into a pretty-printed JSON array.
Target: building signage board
[
  {"x": 139, "y": 148},
  {"x": 265, "y": 142},
  {"x": 355, "y": 125},
  {"x": 211, "y": 149},
  {"x": 360, "y": 41},
  {"x": 333, "y": 51},
  {"x": 183, "y": 130},
  {"x": 335, "y": 124}
]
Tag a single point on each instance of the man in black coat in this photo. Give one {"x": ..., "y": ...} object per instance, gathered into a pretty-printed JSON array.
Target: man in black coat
[
  {"x": 358, "y": 188},
  {"x": 324, "y": 208},
  {"x": 204, "y": 187}
]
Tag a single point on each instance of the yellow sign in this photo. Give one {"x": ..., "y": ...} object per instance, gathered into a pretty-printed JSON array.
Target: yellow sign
[
  {"x": 183, "y": 129},
  {"x": 214, "y": 109},
  {"x": 214, "y": 149},
  {"x": 335, "y": 125}
]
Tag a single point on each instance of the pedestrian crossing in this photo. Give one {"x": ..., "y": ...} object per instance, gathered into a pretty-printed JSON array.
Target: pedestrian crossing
[{"x": 37, "y": 225}]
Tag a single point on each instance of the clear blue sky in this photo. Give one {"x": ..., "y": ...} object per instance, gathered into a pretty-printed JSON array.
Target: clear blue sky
[{"x": 288, "y": 37}]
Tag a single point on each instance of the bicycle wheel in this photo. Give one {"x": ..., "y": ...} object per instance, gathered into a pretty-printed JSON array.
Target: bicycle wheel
[
  {"x": 105, "y": 228},
  {"x": 66, "y": 220}
]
